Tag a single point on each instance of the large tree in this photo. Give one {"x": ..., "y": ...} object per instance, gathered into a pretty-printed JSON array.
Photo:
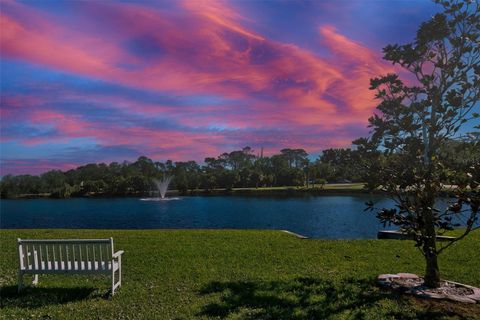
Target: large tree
[{"x": 418, "y": 115}]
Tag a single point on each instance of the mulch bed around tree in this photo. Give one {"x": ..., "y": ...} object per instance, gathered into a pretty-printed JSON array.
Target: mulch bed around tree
[{"x": 412, "y": 284}]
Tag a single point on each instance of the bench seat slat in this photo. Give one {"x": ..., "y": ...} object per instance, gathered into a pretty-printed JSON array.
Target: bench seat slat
[
  {"x": 70, "y": 265},
  {"x": 76, "y": 266}
]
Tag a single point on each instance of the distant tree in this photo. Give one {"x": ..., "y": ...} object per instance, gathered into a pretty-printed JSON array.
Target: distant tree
[
  {"x": 207, "y": 181},
  {"x": 343, "y": 162},
  {"x": 227, "y": 179},
  {"x": 299, "y": 163},
  {"x": 64, "y": 191},
  {"x": 369, "y": 163},
  {"x": 415, "y": 120},
  {"x": 280, "y": 167},
  {"x": 460, "y": 155},
  {"x": 238, "y": 159},
  {"x": 322, "y": 171},
  {"x": 94, "y": 186},
  {"x": 145, "y": 166},
  {"x": 211, "y": 173},
  {"x": 138, "y": 184},
  {"x": 264, "y": 171},
  {"x": 297, "y": 158},
  {"x": 187, "y": 176},
  {"x": 11, "y": 186},
  {"x": 53, "y": 181}
]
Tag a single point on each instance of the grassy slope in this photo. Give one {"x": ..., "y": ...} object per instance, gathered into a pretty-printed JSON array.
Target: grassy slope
[
  {"x": 328, "y": 186},
  {"x": 179, "y": 274},
  {"x": 317, "y": 188}
]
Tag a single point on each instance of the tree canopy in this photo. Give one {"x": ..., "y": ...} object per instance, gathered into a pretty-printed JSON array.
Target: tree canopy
[
  {"x": 239, "y": 168},
  {"x": 421, "y": 125}
]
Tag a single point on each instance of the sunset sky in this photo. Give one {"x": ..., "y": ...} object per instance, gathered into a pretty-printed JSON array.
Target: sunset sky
[{"x": 102, "y": 81}]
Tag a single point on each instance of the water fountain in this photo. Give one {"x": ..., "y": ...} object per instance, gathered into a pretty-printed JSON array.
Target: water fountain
[{"x": 162, "y": 185}]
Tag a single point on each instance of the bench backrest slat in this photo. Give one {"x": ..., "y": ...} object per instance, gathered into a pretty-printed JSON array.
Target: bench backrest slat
[
  {"x": 59, "y": 254},
  {"x": 64, "y": 241}
]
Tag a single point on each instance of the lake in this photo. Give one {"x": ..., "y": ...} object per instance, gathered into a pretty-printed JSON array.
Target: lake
[{"x": 333, "y": 217}]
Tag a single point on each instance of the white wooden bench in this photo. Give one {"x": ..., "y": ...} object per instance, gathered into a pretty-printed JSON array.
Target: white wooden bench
[{"x": 76, "y": 256}]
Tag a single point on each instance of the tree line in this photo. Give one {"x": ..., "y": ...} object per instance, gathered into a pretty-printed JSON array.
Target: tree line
[{"x": 237, "y": 169}]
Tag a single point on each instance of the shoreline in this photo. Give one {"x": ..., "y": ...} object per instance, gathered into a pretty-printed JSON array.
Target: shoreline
[
  {"x": 288, "y": 191},
  {"x": 334, "y": 189}
]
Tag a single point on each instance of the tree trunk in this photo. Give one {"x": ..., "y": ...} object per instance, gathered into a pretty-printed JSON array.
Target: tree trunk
[{"x": 432, "y": 272}]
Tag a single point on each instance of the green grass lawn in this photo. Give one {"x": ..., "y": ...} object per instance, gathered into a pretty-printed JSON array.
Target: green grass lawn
[
  {"x": 225, "y": 274},
  {"x": 328, "y": 186}
]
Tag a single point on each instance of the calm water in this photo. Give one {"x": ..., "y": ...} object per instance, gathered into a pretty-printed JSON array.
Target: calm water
[{"x": 337, "y": 217}]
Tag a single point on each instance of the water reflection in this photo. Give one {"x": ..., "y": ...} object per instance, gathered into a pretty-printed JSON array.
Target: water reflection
[{"x": 336, "y": 217}]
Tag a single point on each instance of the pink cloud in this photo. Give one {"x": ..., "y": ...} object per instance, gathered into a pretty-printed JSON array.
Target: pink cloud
[
  {"x": 33, "y": 166},
  {"x": 200, "y": 49},
  {"x": 36, "y": 46},
  {"x": 359, "y": 64}
]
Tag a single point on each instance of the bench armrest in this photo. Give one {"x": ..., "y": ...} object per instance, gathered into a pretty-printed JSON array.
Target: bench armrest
[{"x": 117, "y": 254}]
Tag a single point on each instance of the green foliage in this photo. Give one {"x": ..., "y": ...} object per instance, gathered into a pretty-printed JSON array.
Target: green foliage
[
  {"x": 418, "y": 123},
  {"x": 342, "y": 165},
  {"x": 237, "y": 169}
]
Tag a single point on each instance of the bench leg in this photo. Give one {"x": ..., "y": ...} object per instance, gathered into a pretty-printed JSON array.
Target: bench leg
[
  {"x": 35, "y": 280},
  {"x": 117, "y": 284},
  {"x": 113, "y": 281},
  {"x": 120, "y": 272},
  {"x": 20, "y": 281}
]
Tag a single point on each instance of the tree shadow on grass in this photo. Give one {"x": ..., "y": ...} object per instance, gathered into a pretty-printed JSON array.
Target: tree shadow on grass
[
  {"x": 36, "y": 297},
  {"x": 305, "y": 298}
]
